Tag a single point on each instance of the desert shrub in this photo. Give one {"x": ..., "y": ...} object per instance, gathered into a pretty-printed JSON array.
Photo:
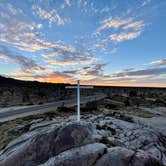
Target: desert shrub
[
  {"x": 50, "y": 115},
  {"x": 160, "y": 102},
  {"x": 41, "y": 94},
  {"x": 104, "y": 140},
  {"x": 40, "y": 103},
  {"x": 111, "y": 106},
  {"x": 105, "y": 127},
  {"x": 113, "y": 131},
  {"x": 25, "y": 96},
  {"x": 91, "y": 106},
  {"x": 127, "y": 102},
  {"x": 98, "y": 127},
  {"x": 65, "y": 109},
  {"x": 30, "y": 103},
  {"x": 132, "y": 93}
]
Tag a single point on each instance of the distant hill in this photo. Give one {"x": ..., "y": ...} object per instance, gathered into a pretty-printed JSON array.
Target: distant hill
[
  {"x": 6, "y": 81},
  {"x": 18, "y": 92},
  {"x": 11, "y": 81}
]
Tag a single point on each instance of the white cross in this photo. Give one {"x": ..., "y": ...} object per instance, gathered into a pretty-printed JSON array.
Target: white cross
[{"x": 78, "y": 87}]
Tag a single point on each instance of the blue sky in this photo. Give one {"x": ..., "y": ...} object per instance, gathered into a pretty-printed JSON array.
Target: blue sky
[{"x": 108, "y": 42}]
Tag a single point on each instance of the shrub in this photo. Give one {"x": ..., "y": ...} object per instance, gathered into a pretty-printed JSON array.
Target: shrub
[
  {"x": 104, "y": 140},
  {"x": 126, "y": 102},
  {"x": 91, "y": 106},
  {"x": 105, "y": 127}
]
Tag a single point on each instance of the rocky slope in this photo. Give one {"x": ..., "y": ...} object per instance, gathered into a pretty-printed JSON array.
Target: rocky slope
[{"x": 99, "y": 140}]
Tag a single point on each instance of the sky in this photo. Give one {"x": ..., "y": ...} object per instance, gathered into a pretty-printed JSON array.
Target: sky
[{"x": 100, "y": 42}]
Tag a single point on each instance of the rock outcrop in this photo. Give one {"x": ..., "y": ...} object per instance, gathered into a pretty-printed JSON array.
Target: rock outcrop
[
  {"x": 39, "y": 147},
  {"x": 100, "y": 141},
  {"x": 83, "y": 156}
]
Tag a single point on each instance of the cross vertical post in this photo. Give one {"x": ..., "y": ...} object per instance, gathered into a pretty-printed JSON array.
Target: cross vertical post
[
  {"x": 78, "y": 87},
  {"x": 78, "y": 100}
]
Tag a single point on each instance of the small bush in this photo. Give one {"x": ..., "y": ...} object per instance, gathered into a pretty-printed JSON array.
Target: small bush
[
  {"x": 104, "y": 140},
  {"x": 90, "y": 106},
  {"x": 160, "y": 102},
  {"x": 98, "y": 127},
  {"x": 65, "y": 109},
  {"x": 111, "y": 106},
  {"x": 105, "y": 127},
  {"x": 127, "y": 103},
  {"x": 30, "y": 103}
]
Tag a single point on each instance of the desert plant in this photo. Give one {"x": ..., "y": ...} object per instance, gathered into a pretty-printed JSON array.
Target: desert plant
[
  {"x": 126, "y": 102},
  {"x": 91, "y": 106}
]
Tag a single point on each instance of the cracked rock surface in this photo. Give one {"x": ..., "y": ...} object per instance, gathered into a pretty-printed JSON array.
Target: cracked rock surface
[{"x": 99, "y": 140}]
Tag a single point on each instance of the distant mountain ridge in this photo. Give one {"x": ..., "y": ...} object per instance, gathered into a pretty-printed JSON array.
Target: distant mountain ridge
[
  {"x": 11, "y": 81},
  {"x": 18, "y": 92},
  {"x": 7, "y": 80}
]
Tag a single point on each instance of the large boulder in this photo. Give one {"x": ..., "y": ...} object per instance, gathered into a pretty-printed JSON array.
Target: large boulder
[
  {"x": 42, "y": 146},
  {"x": 119, "y": 156},
  {"x": 116, "y": 156},
  {"x": 142, "y": 158},
  {"x": 83, "y": 156}
]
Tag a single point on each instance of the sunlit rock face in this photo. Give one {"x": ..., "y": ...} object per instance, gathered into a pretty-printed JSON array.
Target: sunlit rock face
[
  {"x": 100, "y": 140},
  {"x": 39, "y": 146}
]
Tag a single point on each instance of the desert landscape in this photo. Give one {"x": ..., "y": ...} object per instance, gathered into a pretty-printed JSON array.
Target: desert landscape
[
  {"x": 82, "y": 83},
  {"x": 127, "y": 123}
]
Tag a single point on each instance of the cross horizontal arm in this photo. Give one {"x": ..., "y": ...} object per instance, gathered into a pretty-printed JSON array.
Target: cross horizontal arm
[
  {"x": 86, "y": 87},
  {"x": 81, "y": 87},
  {"x": 70, "y": 87}
]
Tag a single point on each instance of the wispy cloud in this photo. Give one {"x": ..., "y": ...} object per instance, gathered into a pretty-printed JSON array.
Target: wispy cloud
[
  {"x": 26, "y": 65},
  {"x": 141, "y": 72},
  {"x": 135, "y": 25},
  {"x": 52, "y": 16},
  {"x": 123, "y": 29},
  {"x": 113, "y": 23},
  {"x": 66, "y": 55},
  {"x": 10, "y": 10},
  {"x": 68, "y": 2},
  {"x": 20, "y": 34},
  {"x": 124, "y": 36},
  {"x": 145, "y": 2},
  {"x": 94, "y": 69},
  {"x": 160, "y": 62},
  {"x": 58, "y": 77}
]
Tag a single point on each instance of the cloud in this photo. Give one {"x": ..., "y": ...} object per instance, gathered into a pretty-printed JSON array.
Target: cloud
[
  {"x": 113, "y": 23},
  {"x": 52, "y": 16},
  {"x": 68, "y": 2},
  {"x": 159, "y": 62},
  {"x": 117, "y": 22},
  {"x": 27, "y": 65},
  {"x": 72, "y": 72},
  {"x": 20, "y": 34},
  {"x": 124, "y": 36},
  {"x": 54, "y": 77},
  {"x": 10, "y": 9},
  {"x": 128, "y": 77},
  {"x": 119, "y": 29},
  {"x": 95, "y": 69},
  {"x": 136, "y": 25},
  {"x": 145, "y": 2},
  {"x": 24, "y": 36},
  {"x": 141, "y": 72},
  {"x": 67, "y": 55}
]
